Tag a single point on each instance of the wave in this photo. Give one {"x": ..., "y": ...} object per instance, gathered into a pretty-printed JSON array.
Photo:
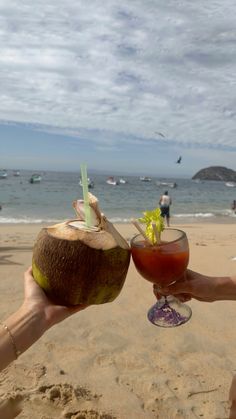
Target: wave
[
  {"x": 197, "y": 215},
  {"x": 118, "y": 220},
  {"x": 5, "y": 220},
  {"x": 223, "y": 213}
]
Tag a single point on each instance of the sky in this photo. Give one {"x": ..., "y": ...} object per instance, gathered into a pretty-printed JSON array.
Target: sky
[{"x": 124, "y": 86}]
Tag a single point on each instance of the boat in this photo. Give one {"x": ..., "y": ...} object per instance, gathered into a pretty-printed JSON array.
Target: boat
[
  {"x": 112, "y": 181},
  {"x": 3, "y": 174},
  {"x": 90, "y": 183},
  {"x": 35, "y": 178},
  {"x": 231, "y": 184},
  {"x": 167, "y": 184},
  {"x": 198, "y": 181},
  {"x": 122, "y": 181},
  {"x": 145, "y": 179},
  {"x": 16, "y": 173}
]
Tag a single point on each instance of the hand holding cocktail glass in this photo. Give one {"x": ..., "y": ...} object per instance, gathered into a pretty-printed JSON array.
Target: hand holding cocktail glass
[{"x": 161, "y": 256}]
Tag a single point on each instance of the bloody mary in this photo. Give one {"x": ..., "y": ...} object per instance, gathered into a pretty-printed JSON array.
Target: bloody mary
[{"x": 161, "y": 264}]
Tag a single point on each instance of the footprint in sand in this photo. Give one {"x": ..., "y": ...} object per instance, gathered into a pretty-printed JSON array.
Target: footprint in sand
[
  {"x": 65, "y": 393},
  {"x": 20, "y": 376},
  {"x": 88, "y": 414},
  {"x": 64, "y": 401}
]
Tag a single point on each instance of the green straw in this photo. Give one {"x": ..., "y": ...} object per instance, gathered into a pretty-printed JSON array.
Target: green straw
[{"x": 85, "y": 194}]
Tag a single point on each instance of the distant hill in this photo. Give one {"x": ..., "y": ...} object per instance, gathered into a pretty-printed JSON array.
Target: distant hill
[{"x": 216, "y": 173}]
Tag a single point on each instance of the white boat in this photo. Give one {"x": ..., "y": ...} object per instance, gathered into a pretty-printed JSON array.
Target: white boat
[
  {"x": 90, "y": 183},
  {"x": 3, "y": 174},
  {"x": 231, "y": 184},
  {"x": 112, "y": 181},
  {"x": 35, "y": 178},
  {"x": 167, "y": 184},
  {"x": 198, "y": 181},
  {"x": 123, "y": 181},
  {"x": 16, "y": 173},
  {"x": 145, "y": 179}
]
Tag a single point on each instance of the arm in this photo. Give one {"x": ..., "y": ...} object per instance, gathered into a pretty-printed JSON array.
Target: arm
[
  {"x": 34, "y": 317},
  {"x": 202, "y": 288}
]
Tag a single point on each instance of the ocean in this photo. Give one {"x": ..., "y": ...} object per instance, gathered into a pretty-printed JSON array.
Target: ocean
[{"x": 51, "y": 200}]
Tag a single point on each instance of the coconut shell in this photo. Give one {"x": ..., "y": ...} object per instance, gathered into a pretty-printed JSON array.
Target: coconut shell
[{"x": 80, "y": 267}]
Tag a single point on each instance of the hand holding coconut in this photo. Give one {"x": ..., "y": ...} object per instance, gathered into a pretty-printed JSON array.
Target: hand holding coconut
[
  {"x": 35, "y": 316},
  {"x": 36, "y": 301},
  {"x": 76, "y": 263}
]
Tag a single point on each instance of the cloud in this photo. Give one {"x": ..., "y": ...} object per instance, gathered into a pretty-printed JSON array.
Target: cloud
[{"x": 121, "y": 70}]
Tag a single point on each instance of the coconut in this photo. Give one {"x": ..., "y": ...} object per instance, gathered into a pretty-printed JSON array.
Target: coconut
[{"x": 76, "y": 264}]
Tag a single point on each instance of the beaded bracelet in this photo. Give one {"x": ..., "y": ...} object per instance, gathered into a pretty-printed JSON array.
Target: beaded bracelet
[{"x": 16, "y": 351}]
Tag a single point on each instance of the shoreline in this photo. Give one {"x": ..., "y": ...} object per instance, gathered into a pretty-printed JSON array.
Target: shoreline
[{"x": 174, "y": 220}]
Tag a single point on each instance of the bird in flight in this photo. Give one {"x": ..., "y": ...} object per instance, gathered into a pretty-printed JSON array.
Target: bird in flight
[
  {"x": 160, "y": 133},
  {"x": 179, "y": 160}
]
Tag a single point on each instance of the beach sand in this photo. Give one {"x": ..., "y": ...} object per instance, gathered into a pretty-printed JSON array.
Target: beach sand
[{"x": 108, "y": 361}]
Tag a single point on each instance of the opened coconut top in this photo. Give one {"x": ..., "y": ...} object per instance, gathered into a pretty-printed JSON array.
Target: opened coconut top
[{"x": 100, "y": 235}]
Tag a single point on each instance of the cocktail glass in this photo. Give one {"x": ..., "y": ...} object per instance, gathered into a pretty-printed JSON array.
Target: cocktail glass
[{"x": 163, "y": 264}]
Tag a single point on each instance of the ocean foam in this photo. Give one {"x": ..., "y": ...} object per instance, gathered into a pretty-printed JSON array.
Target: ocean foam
[
  {"x": 196, "y": 215},
  {"x": 4, "y": 220}
]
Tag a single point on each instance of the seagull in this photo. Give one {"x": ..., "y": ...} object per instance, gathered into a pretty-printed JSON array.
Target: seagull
[
  {"x": 160, "y": 133},
  {"x": 179, "y": 160}
]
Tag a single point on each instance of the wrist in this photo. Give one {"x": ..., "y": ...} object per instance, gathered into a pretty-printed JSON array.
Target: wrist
[
  {"x": 226, "y": 288},
  {"x": 26, "y": 326}
]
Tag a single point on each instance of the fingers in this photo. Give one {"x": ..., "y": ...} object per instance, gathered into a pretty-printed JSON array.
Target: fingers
[
  {"x": 77, "y": 308},
  {"x": 29, "y": 271},
  {"x": 28, "y": 275},
  {"x": 156, "y": 291},
  {"x": 179, "y": 287},
  {"x": 60, "y": 313},
  {"x": 183, "y": 298},
  {"x": 31, "y": 289},
  {"x": 28, "y": 278},
  {"x": 175, "y": 289}
]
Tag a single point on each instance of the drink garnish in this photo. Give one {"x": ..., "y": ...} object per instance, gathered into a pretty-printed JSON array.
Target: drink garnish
[
  {"x": 136, "y": 224},
  {"x": 154, "y": 224}
]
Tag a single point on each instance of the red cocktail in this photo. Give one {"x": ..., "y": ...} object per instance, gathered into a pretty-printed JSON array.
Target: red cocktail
[{"x": 162, "y": 264}]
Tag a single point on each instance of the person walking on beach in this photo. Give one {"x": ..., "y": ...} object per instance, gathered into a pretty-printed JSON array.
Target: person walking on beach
[
  {"x": 165, "y": 202},
  {"x": 233, "y": 206}
]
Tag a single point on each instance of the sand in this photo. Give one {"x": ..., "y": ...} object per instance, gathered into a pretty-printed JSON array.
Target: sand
[{"x": 109, "y": 361}]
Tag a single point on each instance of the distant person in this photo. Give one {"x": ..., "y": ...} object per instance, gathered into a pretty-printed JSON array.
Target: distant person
[
  {"x": 233, "y": 206},
  {"x": 165, "y": 202}
]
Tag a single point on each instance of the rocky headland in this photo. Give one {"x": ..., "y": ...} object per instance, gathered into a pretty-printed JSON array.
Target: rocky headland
[{"x": 216, "y": 173}]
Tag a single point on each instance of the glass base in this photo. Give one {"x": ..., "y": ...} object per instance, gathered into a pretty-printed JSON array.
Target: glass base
[{"x": 169, "y": 312}]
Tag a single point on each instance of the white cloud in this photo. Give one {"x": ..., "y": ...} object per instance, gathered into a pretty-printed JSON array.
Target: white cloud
[{"x": 123, "y": 69}]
